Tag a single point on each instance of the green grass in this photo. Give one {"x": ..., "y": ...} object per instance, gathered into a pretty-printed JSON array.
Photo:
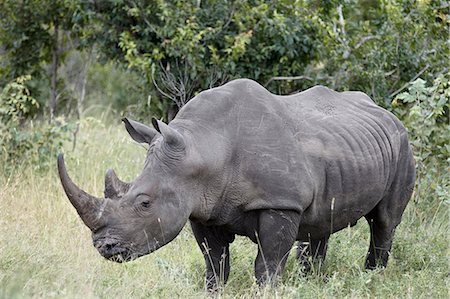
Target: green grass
[{"x": 47, "y": 252}]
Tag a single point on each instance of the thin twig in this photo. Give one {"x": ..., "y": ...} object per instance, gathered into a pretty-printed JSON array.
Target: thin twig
[
  {"x": 80, "y": 100},
  {"x": 364, "y": 40},
  {"x": 409, "y": 82},
  {"x": 159, "y": 89},
  {"x": 343, "y": 40},
  {"x": 177, "y": 86}
]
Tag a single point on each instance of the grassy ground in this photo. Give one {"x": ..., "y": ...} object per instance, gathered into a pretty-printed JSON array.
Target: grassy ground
[{"x": 47, "y": 252}]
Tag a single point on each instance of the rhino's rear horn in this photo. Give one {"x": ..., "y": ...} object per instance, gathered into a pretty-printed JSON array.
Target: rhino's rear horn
[
  {"x": 171, "y": 137},
  {"x": 114, "y": 187},
  {"x": 87, "y": 206}
]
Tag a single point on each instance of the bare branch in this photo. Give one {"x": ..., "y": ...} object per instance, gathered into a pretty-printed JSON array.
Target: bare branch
[
  {"x": 178, "y": 87},
  {"x": 142, "y": 15},
  {"x": 343, "y": 40},
  {"x": 159, "y": 89},
  {"x": 409, "y": 82},
  {"x": 387, "y": 74},
  {"x": 341, "y": 20},
  {"x": 230, "y": 18},
  {"x": 364, "y": 40},
  {"x": 216, "y": 78}
]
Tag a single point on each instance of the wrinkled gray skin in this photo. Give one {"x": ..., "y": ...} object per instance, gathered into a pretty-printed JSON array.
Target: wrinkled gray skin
[{"x": 240, "y": 160}]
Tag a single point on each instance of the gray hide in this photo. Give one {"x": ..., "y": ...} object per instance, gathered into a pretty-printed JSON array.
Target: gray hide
[{"x": 238, "y": 159}]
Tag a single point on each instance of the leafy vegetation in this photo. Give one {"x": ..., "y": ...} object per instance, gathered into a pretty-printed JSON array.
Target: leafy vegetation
[
  {"x": 379, "y": 47},
  {"x": 24, "y": 142},
  {"x": 373, "y": 46},
  {"x": 35, "y": 34},
  {"x": 425, "y": 112},
  {"x": 70, "y": 69}
]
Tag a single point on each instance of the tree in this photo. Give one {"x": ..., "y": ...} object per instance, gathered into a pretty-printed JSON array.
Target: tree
[
  {"x": 379, "y": 47},
  {"x": 183, "y": 47},
  {"x": 35, "y": 33}
]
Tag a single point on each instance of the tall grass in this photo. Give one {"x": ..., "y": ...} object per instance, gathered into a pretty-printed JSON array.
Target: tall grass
[{"x": 47, "y": 252}]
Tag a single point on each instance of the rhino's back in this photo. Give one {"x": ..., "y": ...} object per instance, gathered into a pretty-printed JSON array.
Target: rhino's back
[
  {"x": 301, "y": 151},
  {"x": 348, "y": 130},
  {"x": 352, "y": 147}
]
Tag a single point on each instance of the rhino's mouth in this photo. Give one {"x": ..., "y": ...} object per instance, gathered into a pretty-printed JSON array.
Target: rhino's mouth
[
  {"x": 114, "y": 251},
  {"x": 127, "y": 255},
  {"x": 118, "y": 252},
  {"x": 121, "y": 257}
]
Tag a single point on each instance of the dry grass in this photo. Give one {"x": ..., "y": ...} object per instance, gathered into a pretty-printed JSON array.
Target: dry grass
[{"x": 46, "y": 251}]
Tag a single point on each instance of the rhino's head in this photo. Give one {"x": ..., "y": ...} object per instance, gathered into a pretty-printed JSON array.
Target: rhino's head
[{"x": 137, "y": 218}]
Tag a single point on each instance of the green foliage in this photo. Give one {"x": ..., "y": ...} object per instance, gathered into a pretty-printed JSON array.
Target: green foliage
[
  {"x": 427, "y": 116},
  {"x": 425, "y": 112},
  {"x": 22, "y": 38},
  {"x": 202, "y": 44},
  {"x": 35, "y": 34},
  {"x": 379, "y": 46},
  {"x": 187, "y": 46},
  {"x": 123, "y": 91},
  {"x": 24, "y": 142},
  {"x": 16, "y": 101},
  {"x": 26, "y": 33}
]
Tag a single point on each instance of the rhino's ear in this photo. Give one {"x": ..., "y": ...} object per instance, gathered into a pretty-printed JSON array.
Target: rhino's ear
[
  {"x": 170, "y": 136},
  {"x": 139, "y": 132}
]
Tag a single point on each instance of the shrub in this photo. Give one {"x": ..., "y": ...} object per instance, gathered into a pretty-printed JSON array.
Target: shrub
[
  {"x": 23, "y": 141},
  {"x": 425, "y": 112}
]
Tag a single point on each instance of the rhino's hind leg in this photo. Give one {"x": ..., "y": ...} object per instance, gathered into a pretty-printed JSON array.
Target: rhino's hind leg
[
  {"x": 312, "y": 253},
  {"x": 214, "y": 243},
  {"x": 276, "y": 233},
  {"x": 387, "y": 214},
  {"x": 381, "y": 236},
  {"x": 383, "y": 220}
]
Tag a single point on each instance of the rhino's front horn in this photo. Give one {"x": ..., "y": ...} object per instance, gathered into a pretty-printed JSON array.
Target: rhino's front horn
[
  {"x": 87, "y": 206},
  {"x": 114, "y": 187}
]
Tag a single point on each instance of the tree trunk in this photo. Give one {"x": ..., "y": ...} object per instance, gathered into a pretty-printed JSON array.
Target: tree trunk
[
  {"x": 83, "y": 83},
  {"x": 80, "y": 99},
  {"x": 54, "y": 70}
]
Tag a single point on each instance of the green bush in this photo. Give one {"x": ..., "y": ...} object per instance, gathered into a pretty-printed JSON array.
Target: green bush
[
  {"x": 16, "y": 103},
  {"x": 379, "y": 46},
  {"x": 23, "y": 141},
  {"x": 124, "y": 91},
  {"x": 425, "y": 112},
  {"x": 183, "y": 47}
]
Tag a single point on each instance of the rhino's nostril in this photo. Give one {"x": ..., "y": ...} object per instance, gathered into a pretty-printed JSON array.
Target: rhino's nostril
[{"x": 107, "y": 247}]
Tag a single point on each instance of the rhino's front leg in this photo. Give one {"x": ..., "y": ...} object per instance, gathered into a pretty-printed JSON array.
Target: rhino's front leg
[
  {"x": 214, "y": 243},
  {"x": 276, "y": 233}
]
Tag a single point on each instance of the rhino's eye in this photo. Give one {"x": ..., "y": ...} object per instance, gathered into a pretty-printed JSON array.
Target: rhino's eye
[{"x": 144, "y": 200}]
